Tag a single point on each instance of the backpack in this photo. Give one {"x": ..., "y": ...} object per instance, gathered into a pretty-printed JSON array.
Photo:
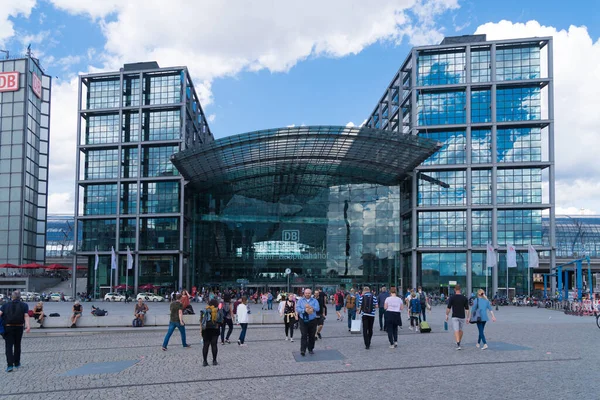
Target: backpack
[
  {"x": 137, "y": 323},
  {"x": 415, "y": 306},
  {"x": 350, "y": 302},
  {"x": 367, "y": 304},
  {"x": 226, "y": 310},
  {"x": 14, "y": 313},
  {"x": 99, "y": 312},
  {"x": 422, "y": 298},
  {"x": 207, "y": 321},
  {"x": 339, "y": 299}
]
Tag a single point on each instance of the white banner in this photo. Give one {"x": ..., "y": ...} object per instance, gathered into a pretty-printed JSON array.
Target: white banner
[
  {"x": 129, "y": 259},
  {"x": 534, "y": 260},
  {"x": 113, "y": 258},
  {"x": 97, "y": 260},
  {"x": 511, "y": 256},
  {"x": 490, "y": 257}
]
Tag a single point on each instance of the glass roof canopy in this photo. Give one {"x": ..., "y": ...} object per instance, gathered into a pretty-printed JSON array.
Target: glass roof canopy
[{"x": 272, "y": 163}]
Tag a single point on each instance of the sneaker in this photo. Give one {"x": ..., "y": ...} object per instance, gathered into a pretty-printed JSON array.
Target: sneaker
[
  {"x": 243, "y": 345},
  {"x": 287, "y": 338},
  {"x": 396, "y": 344},
  {"x": 349, "y": 330},
  {"x": 291, "y": 339},
  {"x": 187, "y": 346},
  {"x": 341, "y": 319},
  {"x": 366, "y": 347},
  {"x": 319, "y": 335},
  {"x": 392, "y": 346},
  {"x": 311, "y": 352},
  {"x": 458, "y": 348},
  {"x": 73, "y": 326},
  {"x": 9, "y": 369},
  {"x": 205, "y": 364},
  {"x": 222, "y": 343},
  {"x": 239, "y": 343},
  {"x": 41, "y": 326},
  {"x": 410, "y": 327},
  {"x": 227, "y": 341},
  {"x": 303, "y": 354},
  {"x": 17, "y": 366},
  {"x": 215, "y": 362},
  {"x": 477, "y": 345},
  {"x": 485, "y": 346}
]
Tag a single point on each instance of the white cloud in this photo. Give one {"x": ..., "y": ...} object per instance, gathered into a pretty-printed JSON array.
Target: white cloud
[
  {"x": 350, "y": 124},
  {"x": 12, "y": 8},
  {"x": 211, "y": 117},
  {"x": 576, "y": 81}
]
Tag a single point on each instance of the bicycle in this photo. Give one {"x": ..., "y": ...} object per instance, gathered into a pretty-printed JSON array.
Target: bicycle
[{"x": 597, "y": 315}]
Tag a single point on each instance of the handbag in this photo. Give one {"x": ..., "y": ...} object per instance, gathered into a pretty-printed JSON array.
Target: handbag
[{"x": 476, "y": 315}]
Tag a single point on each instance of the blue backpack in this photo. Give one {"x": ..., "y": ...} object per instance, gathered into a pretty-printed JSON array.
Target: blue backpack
[{"x": 415, "y": 305}]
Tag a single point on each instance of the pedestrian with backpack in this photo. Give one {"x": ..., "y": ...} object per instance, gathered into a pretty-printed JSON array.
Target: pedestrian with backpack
[
  {"x": 367, "y": 304},
  {"x": 415, "y": 311},
  {"x": 212, "y": 319},
  {"x": 350, "y": 307},
  {"x": 381, "y": 300},
  {"x": 339, "y": 303},
  {"x": 227, "y": 319}
]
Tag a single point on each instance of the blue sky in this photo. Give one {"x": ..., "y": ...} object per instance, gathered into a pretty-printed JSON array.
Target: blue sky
[{"x": 254, "y": 70}]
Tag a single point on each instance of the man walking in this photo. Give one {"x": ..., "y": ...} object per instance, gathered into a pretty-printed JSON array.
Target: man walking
[
  {"x": 15, "y": 315},
  {"x": 322, "y": 312},
  {"x": 381, "y": 300},
  {"x": 339, "y": 303},
  {"x": 367, "y": 304},
  {"x": 459, "y": 305},
  {"x": 424, "y": 303},
  {"x": 175, "y": 321},
  {"x": 307, "y": 308},
  {"x": 350, "y": 307}
]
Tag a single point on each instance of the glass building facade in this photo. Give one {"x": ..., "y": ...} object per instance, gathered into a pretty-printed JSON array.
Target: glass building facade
[
  {"x": 491, "y": 105},
  {"x": 24, "y": 135},
  {"x": 129, "y": 194}
]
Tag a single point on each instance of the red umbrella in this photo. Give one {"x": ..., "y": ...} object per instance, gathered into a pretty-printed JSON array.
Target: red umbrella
[
  {"x": 148, "y": 286},
  {"x": 8, "y": 266},
  {"x": 31, "y": 266},
  {"x": 81, "y": 268},
  {"x": 122, "y": 286},
  {"x": 54, "y": 267}
]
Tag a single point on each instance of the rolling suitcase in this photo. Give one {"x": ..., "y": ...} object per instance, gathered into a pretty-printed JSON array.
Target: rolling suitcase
[{"x": 424, "y": 327}]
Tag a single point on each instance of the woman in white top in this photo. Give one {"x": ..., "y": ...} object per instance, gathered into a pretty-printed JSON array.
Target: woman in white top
[
  {"x": 242, "y": 319},
  {"x": 393, "y": 306}
]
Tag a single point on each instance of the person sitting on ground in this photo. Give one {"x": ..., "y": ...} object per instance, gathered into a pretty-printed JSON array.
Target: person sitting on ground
[
  {"x": 140, "y": 311},
  {"x": 77, "y": 310},
  {"x": 38, "y": 313}
]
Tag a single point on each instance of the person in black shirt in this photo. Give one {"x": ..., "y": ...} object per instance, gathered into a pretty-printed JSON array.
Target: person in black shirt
[
  {"x": 459, "y": 305},
  {"x": 15, "y": 314},
  {"x": 322, "y": 313}
]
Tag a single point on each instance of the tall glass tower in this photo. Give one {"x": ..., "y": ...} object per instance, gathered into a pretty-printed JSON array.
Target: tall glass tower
[
  {"x": 24, "y": 135},
  {"x": 491, "y": 105},
  {"x": 129, "y": 194}
]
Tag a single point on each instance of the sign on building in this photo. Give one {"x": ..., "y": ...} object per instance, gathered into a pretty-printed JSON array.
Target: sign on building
[
  {"x": 9, "y": 81},
  {"x": 36, "y": 85},
  {"x": 290, "y": 235}
]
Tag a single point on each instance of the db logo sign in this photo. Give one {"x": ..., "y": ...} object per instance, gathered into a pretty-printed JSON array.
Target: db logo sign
[
  {"x": 9, "y": 81},
  {"x": 290, "y": 236},
  {"x": 36, "y": 85}
]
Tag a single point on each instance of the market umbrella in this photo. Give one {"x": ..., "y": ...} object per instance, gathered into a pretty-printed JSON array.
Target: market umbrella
[
  {"x": 81, "y": 268},
  {"x": 123, "y": 286},
  {"x": 54, "y": 267},
  {"x": 148, "y": 286},
  {"x": 8, "y": 266},
  {"x": 31, "y": 266}
]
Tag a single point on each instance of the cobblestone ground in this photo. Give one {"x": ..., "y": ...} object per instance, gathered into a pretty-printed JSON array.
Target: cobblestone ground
[{"x": 560, "y": 358}]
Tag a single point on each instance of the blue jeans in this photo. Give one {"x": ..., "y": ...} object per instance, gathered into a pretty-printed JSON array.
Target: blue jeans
[
  {"x": 351, "y": 316},
  {"x": 172, "y": 326},
  {"x": 269, "y": 304},
  {"x": 481, "y": 327},
  {"x": 243, "y": 333}
]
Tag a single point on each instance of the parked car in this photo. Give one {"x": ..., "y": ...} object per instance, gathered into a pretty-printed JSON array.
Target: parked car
[
  {"x": 114, "y": 297},
  {"x": 55, "y": 297},
  {"x": 149, "y": 297}
]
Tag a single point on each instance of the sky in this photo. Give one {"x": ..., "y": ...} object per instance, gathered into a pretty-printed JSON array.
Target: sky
[{"x": 269, "y": 64}]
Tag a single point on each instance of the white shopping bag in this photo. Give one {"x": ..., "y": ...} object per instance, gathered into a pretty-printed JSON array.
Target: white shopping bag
[{"x": 356, "y": 325}]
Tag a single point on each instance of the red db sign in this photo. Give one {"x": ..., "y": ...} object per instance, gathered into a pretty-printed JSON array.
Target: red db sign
[
  {"x": 36, "y": 85},
  {"x": 9, "y": 81}
]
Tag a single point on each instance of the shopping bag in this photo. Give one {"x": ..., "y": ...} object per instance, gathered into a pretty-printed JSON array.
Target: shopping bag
[{"x": 356, "y": 325}]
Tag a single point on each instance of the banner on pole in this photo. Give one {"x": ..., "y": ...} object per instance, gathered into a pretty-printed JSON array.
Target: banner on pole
[
  {"x": 96, "y": 260},
  {"x": 490, "y": 257},
  {"x": 113, "y": 258},
  {"x": 511, "y": 256},
  {"x": 129, "y": 259},
  {"x": 534, "y": 260}
]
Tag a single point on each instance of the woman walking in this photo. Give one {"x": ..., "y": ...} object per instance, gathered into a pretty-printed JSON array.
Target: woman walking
[
  {"x": 242, "y": 319},
  {"x": 482, "y": 305},
  {"x": 392, "y": 306},
  {"x": 289, "y": 317},
  {"x": 211, "y": 330}
]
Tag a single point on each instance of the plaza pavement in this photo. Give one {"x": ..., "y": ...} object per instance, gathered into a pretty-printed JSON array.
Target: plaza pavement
[{"x": 534, "y": 354}]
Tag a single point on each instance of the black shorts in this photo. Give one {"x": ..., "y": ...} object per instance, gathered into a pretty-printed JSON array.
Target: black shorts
[{"x": 320, "y": 320}]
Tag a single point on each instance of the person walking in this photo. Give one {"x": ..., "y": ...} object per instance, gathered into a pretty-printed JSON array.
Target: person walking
[
  {"x": 481, "y": 307},
  {"x": 263, "y": 300},
  {"x": 321, "y": 312},
  {"x": 269, "y": 300},
  {"x": 367, "y": 303},
  {"x": 242, "y": 319},
  {"x": 175, "y": 321},
  {"x": 350, "y": 307},
  {"x": 227, "y": 319},
  {"x": 338, "y": 298},
  {"x": 393, "y": 307},
  {"x": 15, "y": 314},
  {"x": 459, "y": 305},
  {"x": 381, "y": 300},
  {"x": 212, "y": 319},
  {"x": 424, "y": 304},
  {"x": 415, "y": 311},
  {"x": 307, "y": 309},
  {"x": 288, "y": 312}
]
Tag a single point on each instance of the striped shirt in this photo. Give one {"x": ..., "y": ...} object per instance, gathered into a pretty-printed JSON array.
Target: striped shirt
[{"x": 360, "y": 301}]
